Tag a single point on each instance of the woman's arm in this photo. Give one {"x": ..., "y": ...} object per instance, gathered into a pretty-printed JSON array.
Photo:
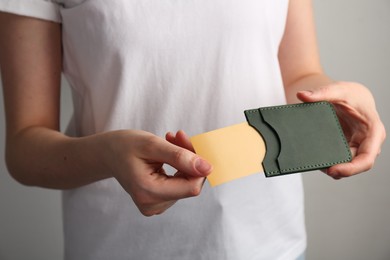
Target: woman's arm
[
  {"x": 304, "y": 80},
  {"x": 38, "y": 154},
  {"x": 298, "y": 52}
]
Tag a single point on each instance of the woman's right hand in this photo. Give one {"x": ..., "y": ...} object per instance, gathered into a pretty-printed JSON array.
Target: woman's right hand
[{"x": 136, "y": 159}]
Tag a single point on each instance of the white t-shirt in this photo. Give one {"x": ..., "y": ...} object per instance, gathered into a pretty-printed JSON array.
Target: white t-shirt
[{"x": 161, "y": 66}]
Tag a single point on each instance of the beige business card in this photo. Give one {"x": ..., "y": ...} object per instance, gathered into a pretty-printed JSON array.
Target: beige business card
[{"x": 235, "y": 151}]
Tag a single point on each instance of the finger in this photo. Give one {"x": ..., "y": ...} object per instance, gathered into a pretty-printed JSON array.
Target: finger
[
  {"x": 155, "y": 209},
  {"x": 359, "y": 164},
  {"x": 159, "y": 192},
  {"x": 180, "y": 139},
  {"x": 184, "y": 141},
  {"x": 363, "y": 161},
  {"x": 180, "y": 174},
  {"x": 172, "y": 188},
  {"x": 327, "y": 93},
  {"x": 180, "y": 158},
  {"x": 170, "y": 137}
]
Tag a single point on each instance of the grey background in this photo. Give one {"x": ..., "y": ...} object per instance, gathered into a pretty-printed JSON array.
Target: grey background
[{"x": 347, "y": 219}]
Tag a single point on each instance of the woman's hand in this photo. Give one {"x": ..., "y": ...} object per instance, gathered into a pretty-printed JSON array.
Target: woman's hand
[
  {"x": 360, "y": 121},
  {"x": 136, "y": 160}
]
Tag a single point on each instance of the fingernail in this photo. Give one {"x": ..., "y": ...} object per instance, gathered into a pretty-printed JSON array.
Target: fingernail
[
  {"x": 306, "y": 92},
  {"x": 202, "y": 166}
]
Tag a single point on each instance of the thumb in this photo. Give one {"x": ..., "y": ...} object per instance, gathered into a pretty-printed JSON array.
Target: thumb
[
  {"x": 328, "y": 93},
  {"x": 305, "y": 95}
]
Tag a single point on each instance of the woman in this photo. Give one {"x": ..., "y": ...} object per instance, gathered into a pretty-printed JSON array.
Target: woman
[{"x": 139, "y": 69}]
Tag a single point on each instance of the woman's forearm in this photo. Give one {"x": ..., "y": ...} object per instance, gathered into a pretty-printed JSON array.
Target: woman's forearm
[{"x": 39, "y": 156}]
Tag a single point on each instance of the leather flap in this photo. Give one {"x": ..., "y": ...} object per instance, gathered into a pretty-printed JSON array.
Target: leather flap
[{"x": 271, "y": 140}]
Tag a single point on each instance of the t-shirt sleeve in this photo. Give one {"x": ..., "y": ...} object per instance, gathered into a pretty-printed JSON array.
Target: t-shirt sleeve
[{"x": 42, "y": 9}]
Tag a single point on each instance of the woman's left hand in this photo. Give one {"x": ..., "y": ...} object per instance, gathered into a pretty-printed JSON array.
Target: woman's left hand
[{"x": 363, "y": 128}]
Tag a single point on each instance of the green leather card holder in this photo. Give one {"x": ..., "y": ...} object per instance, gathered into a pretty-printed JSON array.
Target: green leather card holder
[{"x": 299, "y": 137}]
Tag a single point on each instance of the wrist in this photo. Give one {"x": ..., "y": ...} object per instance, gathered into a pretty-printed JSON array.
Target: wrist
[{"x": 94, "y": 155}]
